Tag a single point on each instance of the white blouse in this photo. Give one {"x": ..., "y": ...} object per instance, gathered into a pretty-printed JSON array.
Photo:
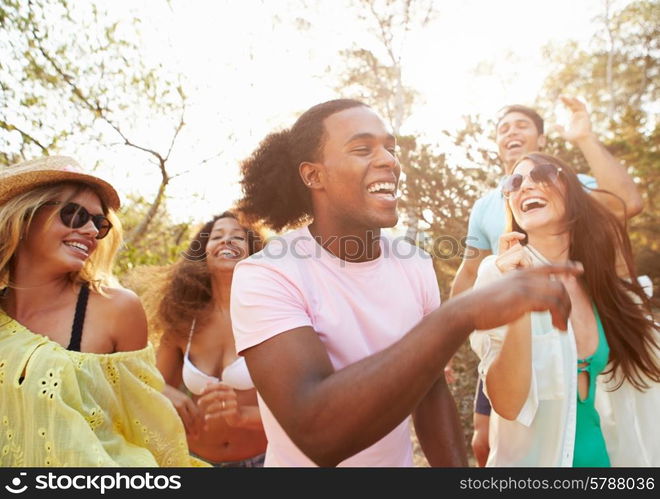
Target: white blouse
[{"x": 543, "y": 434}]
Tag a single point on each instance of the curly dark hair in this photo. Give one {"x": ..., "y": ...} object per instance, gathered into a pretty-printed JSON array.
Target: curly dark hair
[
  {"x": 273, "y": 191},
  {"x": 596, "y": 235},
  {"x": 185, "y": 288}
]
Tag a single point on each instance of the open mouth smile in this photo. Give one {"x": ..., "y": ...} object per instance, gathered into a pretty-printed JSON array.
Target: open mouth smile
[
  {"x": 514, "y": 144},
  {"x": 532, "y": 203},
  {"x": 385, "y": 190},
  {"x": 79, "y": 247},
  {"x": 229, "y": 253}
]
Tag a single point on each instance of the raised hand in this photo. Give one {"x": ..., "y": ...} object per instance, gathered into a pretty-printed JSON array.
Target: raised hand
[
  {"x": 579, "y": 126},
  {"x": 512, "y": 254}
]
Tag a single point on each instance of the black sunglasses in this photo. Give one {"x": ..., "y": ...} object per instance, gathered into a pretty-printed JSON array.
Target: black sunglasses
[
  {"x": 545, "y": 173},
  {"x": 75, "y": 216}
]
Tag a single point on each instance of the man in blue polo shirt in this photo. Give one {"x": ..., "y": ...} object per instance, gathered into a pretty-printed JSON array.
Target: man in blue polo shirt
[{"x": 520, "y": 130}]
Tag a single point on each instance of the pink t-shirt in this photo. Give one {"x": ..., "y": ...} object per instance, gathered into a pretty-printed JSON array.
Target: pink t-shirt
[{"x": 357, "y": 309}]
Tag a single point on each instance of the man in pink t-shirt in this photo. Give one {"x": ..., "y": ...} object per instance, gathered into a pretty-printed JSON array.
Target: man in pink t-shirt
[
  {"x": 341, "y": 327},
  {"x": 352, "y": 307}
]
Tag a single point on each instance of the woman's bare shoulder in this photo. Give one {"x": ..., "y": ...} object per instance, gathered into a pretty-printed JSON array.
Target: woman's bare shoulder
[{"x": 122, "y": 310}]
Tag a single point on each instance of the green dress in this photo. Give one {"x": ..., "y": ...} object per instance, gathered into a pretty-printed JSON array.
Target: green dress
[{"x": 590, "y": 450}]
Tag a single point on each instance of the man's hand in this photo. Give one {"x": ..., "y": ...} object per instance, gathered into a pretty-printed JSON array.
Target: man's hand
[
  {"x": 579, "y": 126},
  {"x": 521, "y": 291}
]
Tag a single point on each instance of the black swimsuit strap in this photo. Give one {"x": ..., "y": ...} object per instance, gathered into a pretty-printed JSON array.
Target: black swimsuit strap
[{"x": 79, "y": 318}]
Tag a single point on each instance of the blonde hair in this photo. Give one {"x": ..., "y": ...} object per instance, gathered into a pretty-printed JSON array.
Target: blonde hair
[{"x": 16, "y": 217}]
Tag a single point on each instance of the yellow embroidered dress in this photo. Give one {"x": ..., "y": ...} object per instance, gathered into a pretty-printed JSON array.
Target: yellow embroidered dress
[{"x": 65, "y": 408}]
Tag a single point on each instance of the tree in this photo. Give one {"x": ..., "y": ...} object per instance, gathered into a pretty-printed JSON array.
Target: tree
[
  {"x": 71, "y": 75},
  {"x": 618, "y": 74},
  {"x": 161, "y": 245},
  {"x": 440, "y": 192},
  {"x": 376, "y": 75}
]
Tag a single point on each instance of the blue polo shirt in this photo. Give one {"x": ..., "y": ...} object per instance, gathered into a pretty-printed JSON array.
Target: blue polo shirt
[{"x": 488, "y": 217}]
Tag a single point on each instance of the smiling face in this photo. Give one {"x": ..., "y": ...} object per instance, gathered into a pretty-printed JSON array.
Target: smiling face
[
  {"x": 538, "y": 207},
  {"x": 517, "y": 135},
  {"x": 359, "y": 171},
  {"x": 50, "y": 242},
  {"x": 227, "y": 245}
]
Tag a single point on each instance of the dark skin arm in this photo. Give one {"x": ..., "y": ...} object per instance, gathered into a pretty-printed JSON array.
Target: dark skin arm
[
  {"x": 331, "y": 415},
  {"x": 438, "y": 427}
]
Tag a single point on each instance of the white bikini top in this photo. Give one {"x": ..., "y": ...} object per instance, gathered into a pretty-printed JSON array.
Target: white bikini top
[{"x": 235, "y": 374}]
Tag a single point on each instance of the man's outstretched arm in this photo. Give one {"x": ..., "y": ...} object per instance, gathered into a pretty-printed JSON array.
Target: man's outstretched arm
[{"x": 331, "y": 415}]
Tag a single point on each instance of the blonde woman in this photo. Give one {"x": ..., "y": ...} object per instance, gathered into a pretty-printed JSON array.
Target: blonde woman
[{"x": 78, "y": 382}]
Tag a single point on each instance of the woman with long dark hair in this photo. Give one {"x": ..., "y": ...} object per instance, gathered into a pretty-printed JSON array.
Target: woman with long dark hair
[
  {"x": 570, "y": 398},
  {"x": 207, "y": 382}
]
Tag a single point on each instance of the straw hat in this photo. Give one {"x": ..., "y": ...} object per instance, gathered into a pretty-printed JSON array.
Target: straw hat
[{"x": 20, "y": 178}]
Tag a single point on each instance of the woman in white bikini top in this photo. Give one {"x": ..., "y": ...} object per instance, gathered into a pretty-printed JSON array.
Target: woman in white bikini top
[
  {"x": 235, "y": 375},
  {"x": 197, "y": 356}
]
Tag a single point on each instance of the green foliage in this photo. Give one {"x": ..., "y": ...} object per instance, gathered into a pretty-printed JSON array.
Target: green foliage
[
  {"x": 442, "y": 182},
  {"x": 368, "y": 79},
  {"x": 64, "y": 66},
  {"x": 51, "y": 57},
  {"x": 161, "y": 245},
  {"x": 629, "y": 43},
  {"x": 376, "y": 75},
  {"x": 442, "y": 188},
  {"x": 74, "y": 74},
  {"x": 623, "y": 103}
]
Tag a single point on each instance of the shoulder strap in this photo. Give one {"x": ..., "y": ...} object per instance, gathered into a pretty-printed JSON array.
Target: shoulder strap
[
  {"x": 79, "y": 318},
  {"x": 192, "y": 328}
]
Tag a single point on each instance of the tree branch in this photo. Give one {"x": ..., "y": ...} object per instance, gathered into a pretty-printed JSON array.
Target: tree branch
[
  {"x": 178, "y": 129},
  {"x": 26, "y": 136},
  {"x": 100, "y": 112},
  {"x": 387, "y": 40},
  {"x": 141, "y": 229},
  {"x": 95, "y": 108}
]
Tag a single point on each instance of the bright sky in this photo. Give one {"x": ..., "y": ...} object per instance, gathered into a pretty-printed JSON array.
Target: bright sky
[{"x": 249, "y": 70}]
